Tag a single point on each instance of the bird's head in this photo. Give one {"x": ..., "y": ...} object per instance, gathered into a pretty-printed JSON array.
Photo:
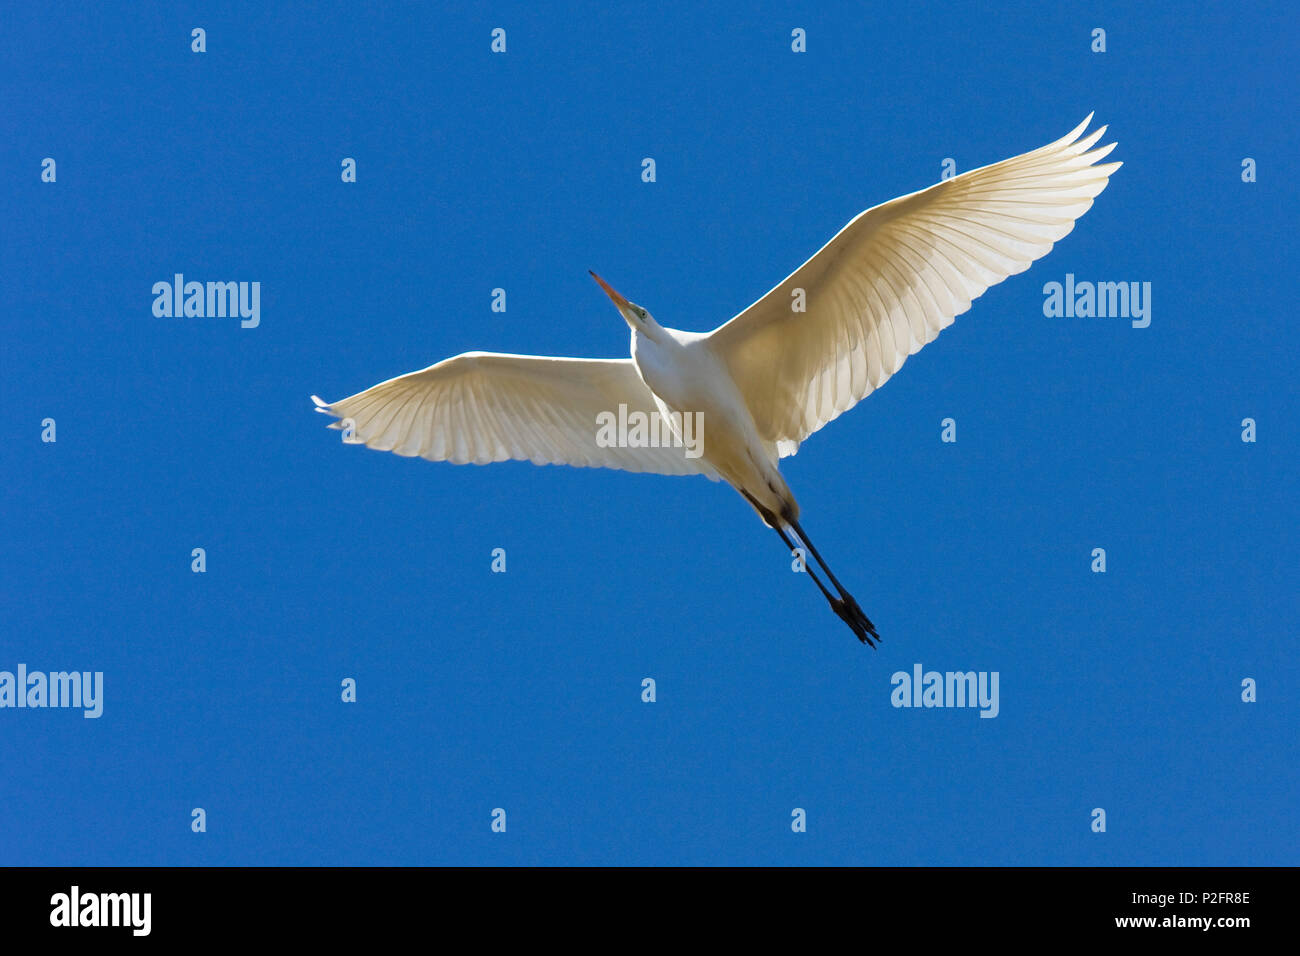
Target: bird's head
[{"x": 638, "y": 318}]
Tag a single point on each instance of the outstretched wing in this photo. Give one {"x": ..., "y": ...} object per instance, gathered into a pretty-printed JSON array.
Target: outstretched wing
[
  {"x": 897, "y": 275},
  {"x": 482, "y": 407}
]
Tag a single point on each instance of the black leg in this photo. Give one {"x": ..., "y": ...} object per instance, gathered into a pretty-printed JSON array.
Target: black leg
[
  {"x": 844, "y": 606},
  {"x": 809, "y": 571},
  {"x": 847, "y": 608},
  {"x": 813, "y": 549}
]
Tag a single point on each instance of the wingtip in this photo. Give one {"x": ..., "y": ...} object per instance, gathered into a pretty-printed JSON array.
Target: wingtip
[
  {"x": 1072, "y": 137},
  {"x": 321, "y": 404}
]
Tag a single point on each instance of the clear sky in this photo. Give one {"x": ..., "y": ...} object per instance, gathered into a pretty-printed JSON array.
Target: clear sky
[{"x": 477, "y": 690}]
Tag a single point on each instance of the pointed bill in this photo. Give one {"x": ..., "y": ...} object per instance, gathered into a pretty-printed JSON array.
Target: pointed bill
[{"x": 618, "y": 300}]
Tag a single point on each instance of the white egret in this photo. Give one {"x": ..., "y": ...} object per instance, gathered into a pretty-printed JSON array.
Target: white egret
[{"x": 882, "y": 288}]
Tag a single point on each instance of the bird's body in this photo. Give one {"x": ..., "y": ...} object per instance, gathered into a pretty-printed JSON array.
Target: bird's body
[
  {"x": 828, "y": 335},
  {"x": 686, "y": 376}
]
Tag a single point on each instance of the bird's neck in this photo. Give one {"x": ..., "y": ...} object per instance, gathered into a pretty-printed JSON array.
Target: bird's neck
[{"x": 652, "y": 331}]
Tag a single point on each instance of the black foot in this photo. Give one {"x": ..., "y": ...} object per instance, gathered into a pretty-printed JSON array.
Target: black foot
[{"x": 852, "y": 615}]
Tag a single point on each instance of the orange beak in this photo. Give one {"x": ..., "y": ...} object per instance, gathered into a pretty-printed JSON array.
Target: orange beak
[{"x": 619, "y": 301}]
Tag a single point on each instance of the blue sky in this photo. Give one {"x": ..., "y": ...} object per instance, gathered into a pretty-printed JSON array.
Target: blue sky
[{"x": 523, "y": 690}]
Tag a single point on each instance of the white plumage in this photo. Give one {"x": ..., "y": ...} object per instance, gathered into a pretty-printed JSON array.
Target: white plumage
[
  {"x": 881, "y": 289},
  {"x": 482, "y": 407}
]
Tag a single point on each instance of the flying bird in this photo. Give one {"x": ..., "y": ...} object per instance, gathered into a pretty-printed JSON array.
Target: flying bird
[{"x": 819, "y": 342}]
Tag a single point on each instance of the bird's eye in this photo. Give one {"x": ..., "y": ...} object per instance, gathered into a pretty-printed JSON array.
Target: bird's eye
[{"x": 641, "y": 312}]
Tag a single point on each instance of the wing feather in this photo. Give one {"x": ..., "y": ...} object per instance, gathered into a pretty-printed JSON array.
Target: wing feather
[
  {"x": 482, "y": 407},
  {"x": 896, "y": 276}
]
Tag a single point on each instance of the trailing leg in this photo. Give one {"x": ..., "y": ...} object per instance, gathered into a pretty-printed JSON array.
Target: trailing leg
[
  {"x": 847, "y": 608},
  {"x": 844, "y": 606}
]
